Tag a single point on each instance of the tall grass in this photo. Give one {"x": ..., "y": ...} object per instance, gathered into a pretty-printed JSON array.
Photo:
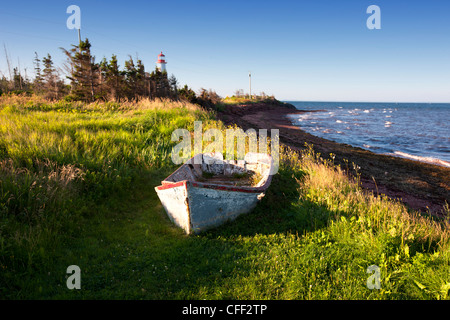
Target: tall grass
[
  {"x": 319, "y": 241},
  {"x": 58, "y": 160},
  {"x": 329, "y": 186},
  {"x": 76, "y": 187}
]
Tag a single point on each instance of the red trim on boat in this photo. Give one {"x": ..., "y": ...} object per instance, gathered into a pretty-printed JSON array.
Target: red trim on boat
[{"x": 171, "y": 185}]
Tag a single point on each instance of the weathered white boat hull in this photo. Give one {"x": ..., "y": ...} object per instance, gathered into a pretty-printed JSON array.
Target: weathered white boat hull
[
  {"x": 175, "y": 203},
  {"x": 197, "y": 206},
  {"x": 195, "y": 209}
]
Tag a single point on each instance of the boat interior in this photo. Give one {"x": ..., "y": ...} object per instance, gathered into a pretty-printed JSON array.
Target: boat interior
[{"x": 211, "y": 168}]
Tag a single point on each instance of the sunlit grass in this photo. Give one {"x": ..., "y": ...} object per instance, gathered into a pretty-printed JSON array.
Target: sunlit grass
[
  {"x": 76, "y": 187},
  {"x": 58, "y": 159}
]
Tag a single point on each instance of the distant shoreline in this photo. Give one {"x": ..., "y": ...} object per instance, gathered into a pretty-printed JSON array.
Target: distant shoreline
[
  {"x": 420, "y": 185},
  {"x": 377, "y": 102},
  {"x": 430, "y": 160}
]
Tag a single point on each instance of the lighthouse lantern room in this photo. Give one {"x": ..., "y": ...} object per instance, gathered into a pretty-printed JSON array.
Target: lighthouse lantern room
[{"x": 161, "y": 62}]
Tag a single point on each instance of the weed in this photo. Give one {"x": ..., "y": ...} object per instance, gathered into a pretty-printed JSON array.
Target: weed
[{"x": 76, "y": 187}]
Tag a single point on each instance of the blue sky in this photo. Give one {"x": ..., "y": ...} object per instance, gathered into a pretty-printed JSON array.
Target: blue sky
[{"x": 296, "y": 50}]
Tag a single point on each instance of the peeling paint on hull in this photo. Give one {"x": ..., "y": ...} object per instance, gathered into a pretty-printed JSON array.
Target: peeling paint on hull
[
  {"x": 197, "y": 206},
  {"x": 214, "y": 207}
]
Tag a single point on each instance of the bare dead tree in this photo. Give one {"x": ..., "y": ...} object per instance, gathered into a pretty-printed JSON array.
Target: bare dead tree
[{"x": 7, "y": 61}]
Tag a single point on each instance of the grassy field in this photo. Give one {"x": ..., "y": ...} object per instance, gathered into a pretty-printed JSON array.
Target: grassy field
[{"x": 77, "y": 188}]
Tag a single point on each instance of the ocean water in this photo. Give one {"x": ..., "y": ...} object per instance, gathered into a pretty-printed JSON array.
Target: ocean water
[{"x": 418, "y": 131}]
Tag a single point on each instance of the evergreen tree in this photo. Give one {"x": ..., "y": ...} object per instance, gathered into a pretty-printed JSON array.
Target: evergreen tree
[
  {"x": 4, "y": 85},
  {"x": 90, "y": 80},
  {"x": 17, "y": 79},
  {"x": 141, "y": 79},
  {"x": 85, "y": 72},
  {"x": 173, "y": 84},
  {"x": 113, "y": 78},
  {"x": 137, "y": 81},
  {"x": 49, "y": 78},
  {"x": 160, "y": 84},
  {"x": 131, "y": 79},
  {"x": 37, "y": 71}
]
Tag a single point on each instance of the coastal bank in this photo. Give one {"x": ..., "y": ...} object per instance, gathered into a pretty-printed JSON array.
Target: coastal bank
[{"x": 421, "y": 186}]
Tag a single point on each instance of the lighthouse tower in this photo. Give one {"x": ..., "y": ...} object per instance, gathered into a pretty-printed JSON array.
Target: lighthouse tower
[{"x": 161, "y": 63}]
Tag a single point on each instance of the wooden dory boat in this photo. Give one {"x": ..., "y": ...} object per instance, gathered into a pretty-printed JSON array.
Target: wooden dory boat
[{"x": 198, "y": 196}]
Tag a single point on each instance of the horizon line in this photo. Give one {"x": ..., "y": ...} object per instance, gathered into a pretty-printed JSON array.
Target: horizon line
[{"x": 344, "y": 101}]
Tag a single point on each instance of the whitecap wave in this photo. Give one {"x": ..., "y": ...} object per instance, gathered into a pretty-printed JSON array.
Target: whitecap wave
[{"x": 431, "y": 160}]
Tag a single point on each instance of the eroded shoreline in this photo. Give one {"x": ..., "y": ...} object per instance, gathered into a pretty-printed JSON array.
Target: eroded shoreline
[{"x": 420, "y": 185}]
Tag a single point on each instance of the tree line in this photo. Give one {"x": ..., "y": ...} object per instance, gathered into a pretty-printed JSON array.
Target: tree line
[{"x": 105, "y": 80}]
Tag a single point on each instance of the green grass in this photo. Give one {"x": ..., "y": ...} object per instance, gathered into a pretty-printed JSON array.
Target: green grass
[
  {"x": 77, "y": 187},
  {"x": 246, "y": 100}
]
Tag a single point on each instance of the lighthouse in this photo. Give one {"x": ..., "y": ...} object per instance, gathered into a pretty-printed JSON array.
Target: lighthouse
[{"x": 161, "y": 62}]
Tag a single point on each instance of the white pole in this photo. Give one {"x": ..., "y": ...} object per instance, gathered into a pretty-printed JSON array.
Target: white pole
[
  {"x": 79, "y": 40},
  {"x": 250, "y": 83}
]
